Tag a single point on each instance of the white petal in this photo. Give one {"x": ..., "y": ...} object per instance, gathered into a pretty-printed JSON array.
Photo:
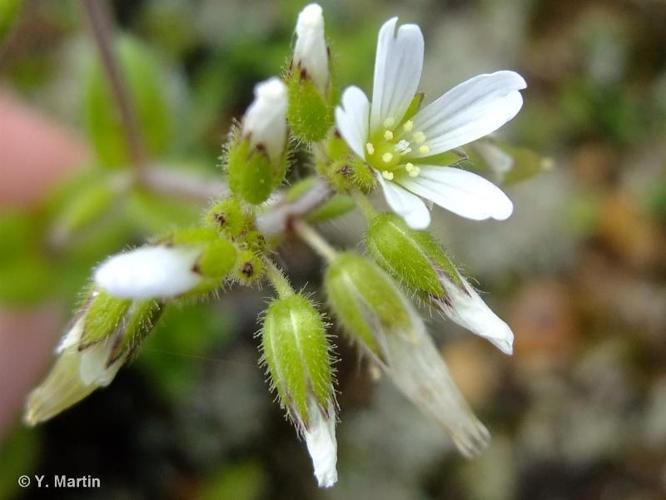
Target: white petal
[
  {"x": 405, "y": 204},
  {"x": 310, "y": 52},
  {"x": 398, "y": 66},
  {"x": 469, "y": 111},
  {"x": 352, "y": 119},
  {"x": 149, "y": 272},
  {"x": 265, "y": 121},
  {"x": 93, "y": 369},
  {"x": 465, "y": 307},
  {"x": 321, "y": 442},
  {"x": 418, "y": 370},
  {"x": 463, "y": 193},
  {"x": 72, "y": 337}
]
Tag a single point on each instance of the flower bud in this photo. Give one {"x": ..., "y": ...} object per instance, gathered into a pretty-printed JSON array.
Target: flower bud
[
  {"x": 256, "y": 161},
  {"x": 376, "y": 314},
  {"x": 418, "y": 261},
  {"x": 105, "y": 335},
  {"x": 298, "y": 362},
  {"x": 310, "y": 50},
  {"x": 310, "y": 112},
  {"x": 191, "y": 260}
]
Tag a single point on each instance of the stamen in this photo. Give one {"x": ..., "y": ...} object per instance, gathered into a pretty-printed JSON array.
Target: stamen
[
  {"x": 419, "y": 137},
  {"x": 387, "y": 175},
  {"x": 425, "y": 149},
  {"x": 370, "y": 148},
  {"x": 408, "y": 125},
  {"x": 388, "y": 135},
  {"x": 402, "y": 147},
  {"x": 389, "y": 122},
  {"x": 387, "y": 157},
  {"x": 412, "y": 169}
]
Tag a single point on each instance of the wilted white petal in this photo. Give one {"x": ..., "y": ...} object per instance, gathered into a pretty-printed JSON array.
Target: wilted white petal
[
  {"x": 469, "y": 111},
  {"x": 310, "y": 52},
  {"x": 418, "y": 370},
  {"x": 321, "y": 443},
  {"x": 466, "y": 308},
  {"x": 73, "y": 377},
  {"x": 72, "y": 337},
  {"x": 265, "y": 121},
  {"x": 352, "y": 119},
  {"x": 94, "y": 368},
  {"x": 149, "y": 272},
  {"x": 408, "y": 206},
  {"x": 464, "y": 193},
  {"x": 398, "y": 66}
]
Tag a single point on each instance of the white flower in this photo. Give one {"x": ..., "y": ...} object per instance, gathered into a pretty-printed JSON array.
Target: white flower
[
  {"x": 75, "y": 375},
  {"x": 265, "y": 121},
  {"x": 321, "y": 443},
  {"x": 310, "y": 52},
  {"x": 399, "y": 147},
  {"x": 464, "y": 306},
  {"x": 149, "y": 272}
]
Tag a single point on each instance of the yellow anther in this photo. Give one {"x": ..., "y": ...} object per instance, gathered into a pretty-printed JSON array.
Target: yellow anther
[
  {"x": 425, "y": 149},
  {"x": 389, "y": 122},
  {"x": 408, "y": 126},
  {"x": 412, "y": 170},
  {"x": 387, "y": 157},
  {"x": 419, "y": 137},
  {"x": 387, "y": 175},
  {"x": 370, "y": 148},
  {"x": 388, "y": 135}
]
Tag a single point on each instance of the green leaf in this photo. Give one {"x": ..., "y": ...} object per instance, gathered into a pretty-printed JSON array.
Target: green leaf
[{"x": 145, "y": 86}]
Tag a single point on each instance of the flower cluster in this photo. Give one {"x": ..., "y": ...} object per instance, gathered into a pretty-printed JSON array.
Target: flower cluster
[{"x": 394, "y": 144}]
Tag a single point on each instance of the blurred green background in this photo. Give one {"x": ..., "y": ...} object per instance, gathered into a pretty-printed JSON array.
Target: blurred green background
[{"x": 579, "y": 271}]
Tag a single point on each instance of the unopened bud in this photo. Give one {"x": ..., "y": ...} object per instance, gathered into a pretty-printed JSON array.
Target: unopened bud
[
  {"x": 189, "y": 260},
  {"x": 298, "y": 361},
  {"x": 310, "y": 51},
  {"x": 104, "y": 336},
  {"x": 256, "y": 162},
  {"x": 310, "y": 110}
]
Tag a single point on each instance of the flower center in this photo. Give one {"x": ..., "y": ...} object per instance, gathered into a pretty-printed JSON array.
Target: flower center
[{"x": 389, "y": 148}]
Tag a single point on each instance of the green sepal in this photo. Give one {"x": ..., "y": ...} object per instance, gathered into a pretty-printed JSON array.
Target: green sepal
[
  {"x": 414, "y": 106},
  {"x": 141, "y": 319},
  {"x": 296, "y": 354},
  {"x": 249, "y": 267},
  {"x": 337, "y": 206},
  {"x": 217, "y": 259},
  {"x": 103, "y": 315},
  {"x": 298, "y": 189},
  {"x": 348, "y": 174},
  {"x": 310, "y": 115},
  {"x": 250, "y": 173},
  {"x": 230, "y": 217},
  {"x": 363, "y": 297},
  {"x": 413, "y": 257}
]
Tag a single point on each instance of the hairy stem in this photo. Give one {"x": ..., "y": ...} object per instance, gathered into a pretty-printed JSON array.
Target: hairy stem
[
  {"x": 314, "y": 240},
  {"x": 98, "y": 18},
  {"x": 278, "y": 280}
]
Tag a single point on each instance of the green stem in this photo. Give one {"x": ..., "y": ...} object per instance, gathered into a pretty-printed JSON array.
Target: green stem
[
  {"x": 364, "y": 204},
  {"x": 315, "y": 240},
  {"x": 278, "y": 280}
]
